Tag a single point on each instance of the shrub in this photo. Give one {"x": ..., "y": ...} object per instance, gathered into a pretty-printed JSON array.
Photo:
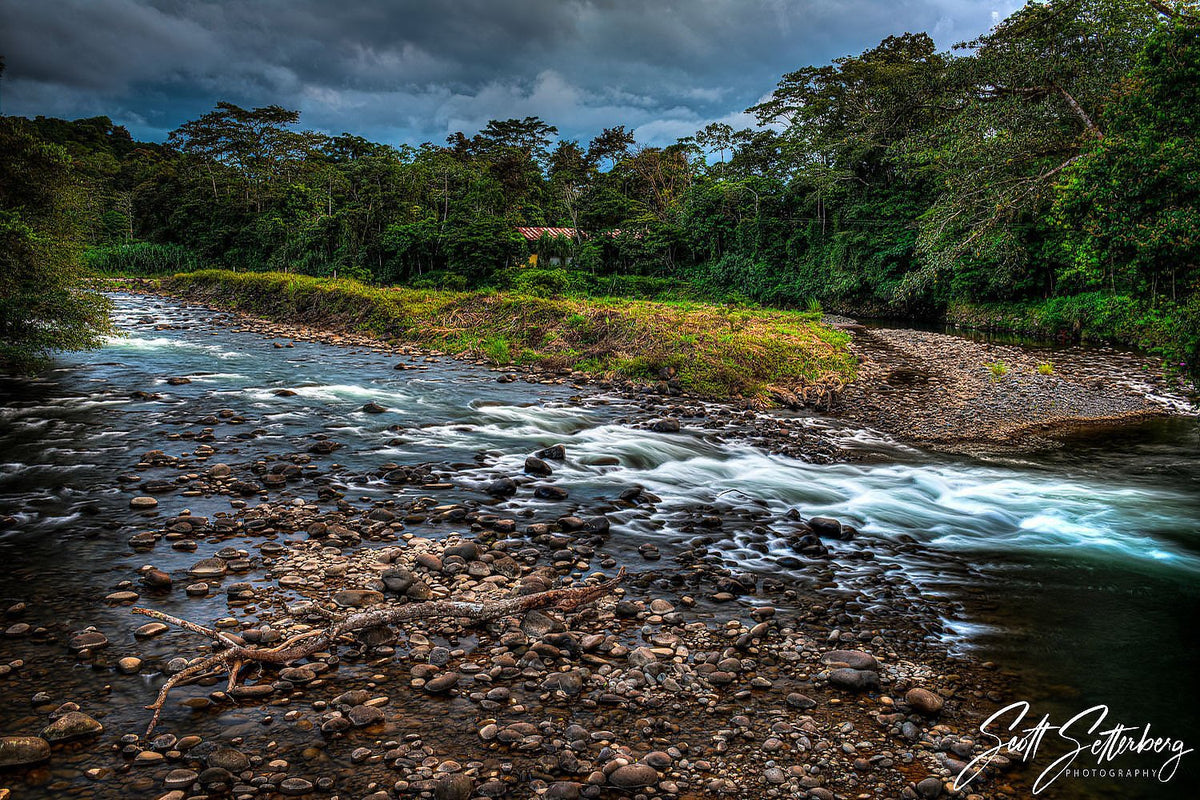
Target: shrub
[
  {"x": 542, "y": 282},
  {"x": 998, "y": 368}
]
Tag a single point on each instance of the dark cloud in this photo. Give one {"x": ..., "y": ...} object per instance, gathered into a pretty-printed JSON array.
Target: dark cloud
[{"x": 400, "y": 70}]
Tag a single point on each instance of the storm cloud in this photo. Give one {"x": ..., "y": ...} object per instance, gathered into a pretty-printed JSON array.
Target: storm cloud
[{"x": 404, "y": 71}]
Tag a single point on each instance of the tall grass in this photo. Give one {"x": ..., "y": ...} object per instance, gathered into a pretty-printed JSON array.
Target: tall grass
[
  {"x": 141, "y": 258},
  {"x": 713, "y": 351}
]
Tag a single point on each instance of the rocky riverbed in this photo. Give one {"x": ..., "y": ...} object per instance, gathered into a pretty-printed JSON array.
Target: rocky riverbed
[
  {"x": 947, "y": 391},
  {"x": 823, "y": 673}
]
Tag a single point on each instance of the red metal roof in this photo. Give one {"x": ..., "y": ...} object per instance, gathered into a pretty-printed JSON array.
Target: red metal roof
[{"x": 533, "y": 234}]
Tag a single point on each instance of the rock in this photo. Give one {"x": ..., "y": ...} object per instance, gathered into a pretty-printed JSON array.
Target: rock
[
  {"x": 216, "y": 779},
  {"x": 151, "y": 629},
  {"x": 930, "y": 787},
  {"x": 454, "y": 787},
  {"x": 220, "y": 471},
  {"x": 362, "y": 716},
  {"x": 564, "y": 790},
  {"x": 857, "y": 680},
  {"x": 129, "y": 665},
  {"x": 854, "y": 659},
  {"x": 502, "y": 487},
  {"x": 155, "y": 578},
  {"x": 19, "y": 751},
  {"x": 373, "y": 408},
  {"x": 176, "y": 381},
  {"x": 209, "y": 568},
  {"x": 826, "y": 527},
  {"x": 641, "y": 656},
  {"x": 666, "y": 425},
  {"x": 633, "y": 776},
  {"x": 924, "y": 701},
  {"x": 357, "y": 598},
  {"x": 227, "y": 758},
  {"x": 442, "y": 683},
  {"x": 87, "y": 640},
  {"x": 72, "y": 725},
  {"x": 180, "y": 778},
  {"x": 535, "y": 466},
  {"x": 299, "y": 675},
  {"x": 396, "y": 579},
  {"x": 555, "y": 452},
  {"x": 800, "y": 701},
  {"x": 143, "y": 503},
  {"x": 556, "y": 493},
  {"x": 294, "y": 787}
]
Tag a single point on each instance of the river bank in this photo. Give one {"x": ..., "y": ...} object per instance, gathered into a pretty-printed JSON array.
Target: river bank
[
  {"x": 704, "y": 350},
  {"x": 926, "y": 388}
]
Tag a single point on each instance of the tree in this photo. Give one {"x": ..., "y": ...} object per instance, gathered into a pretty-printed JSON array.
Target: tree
[
  {"x": 1022, "y": 106},
  {"x": 43, "y": 307},
  {"x": 612, "y": 144},
  {"x": 1130, "y": 205}
]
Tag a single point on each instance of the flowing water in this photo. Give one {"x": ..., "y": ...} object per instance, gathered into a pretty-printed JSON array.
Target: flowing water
[{"x": 1078, "y": 568}]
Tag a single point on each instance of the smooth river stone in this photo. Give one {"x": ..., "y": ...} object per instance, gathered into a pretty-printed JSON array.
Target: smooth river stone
[
  {"x": 208, "y": 568},
  {"x": 72, "y": 725},
  {"x": 854, "y": 659},
  {"x": 18, "y": 751}
]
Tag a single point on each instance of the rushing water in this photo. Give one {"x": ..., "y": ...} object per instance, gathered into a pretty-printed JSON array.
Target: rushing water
[{"x": 1079, "y": 567}]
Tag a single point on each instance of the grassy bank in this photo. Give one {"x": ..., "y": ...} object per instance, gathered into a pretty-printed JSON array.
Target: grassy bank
[
  {"x": 1171, "y": 332},
  {"x": 714, "y": 351}
]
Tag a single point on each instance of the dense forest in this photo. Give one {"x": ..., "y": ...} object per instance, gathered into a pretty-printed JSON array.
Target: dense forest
[{"x": 1045, "y": 176}]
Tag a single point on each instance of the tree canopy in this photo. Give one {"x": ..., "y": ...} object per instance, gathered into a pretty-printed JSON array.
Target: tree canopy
[{"x": 1051, "y": 157}]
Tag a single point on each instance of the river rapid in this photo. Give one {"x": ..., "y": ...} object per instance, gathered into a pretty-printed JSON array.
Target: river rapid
[{"x": 1077, "y": 568}]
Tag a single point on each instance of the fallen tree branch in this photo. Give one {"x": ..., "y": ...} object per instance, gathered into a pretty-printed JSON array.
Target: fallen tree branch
[{"x": 236, "y": 655}]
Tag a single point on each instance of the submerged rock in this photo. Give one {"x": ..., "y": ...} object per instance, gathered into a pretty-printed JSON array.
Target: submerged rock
[
  {"x": 72, "y": 725},
  {"x": 19, "y": 751}
]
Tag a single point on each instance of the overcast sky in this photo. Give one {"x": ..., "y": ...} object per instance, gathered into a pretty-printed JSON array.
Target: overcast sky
[{"x": 405, "y": 71}]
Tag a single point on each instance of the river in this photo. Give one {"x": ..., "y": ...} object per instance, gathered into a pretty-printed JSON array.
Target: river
[{"x": 1078, "y": 567}]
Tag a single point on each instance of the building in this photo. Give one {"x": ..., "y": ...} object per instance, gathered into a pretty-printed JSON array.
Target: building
[{"x": 551, "y": 244}]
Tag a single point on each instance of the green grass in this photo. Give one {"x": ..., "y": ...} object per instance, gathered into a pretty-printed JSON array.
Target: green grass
[
  {"x": 716, "y": 351},
  {"x": 998, "y": 369},
  {"x": 1045, "y": 368}
]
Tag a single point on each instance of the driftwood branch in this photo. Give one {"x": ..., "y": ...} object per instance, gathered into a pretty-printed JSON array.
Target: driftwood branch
[{"x": 236, "y": 655}]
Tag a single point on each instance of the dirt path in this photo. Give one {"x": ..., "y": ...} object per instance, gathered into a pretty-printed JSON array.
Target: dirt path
[{"x": 941, "y": 390}]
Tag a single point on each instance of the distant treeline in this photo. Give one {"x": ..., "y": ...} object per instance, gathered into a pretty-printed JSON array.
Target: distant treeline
[{"x": 1055, "y": 157}]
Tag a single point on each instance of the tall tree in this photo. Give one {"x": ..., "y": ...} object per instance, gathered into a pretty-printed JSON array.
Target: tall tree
[{"x": 43, "y": 307}]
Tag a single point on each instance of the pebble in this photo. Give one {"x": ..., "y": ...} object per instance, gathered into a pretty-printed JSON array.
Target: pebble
[
  {"x": 924, "y": 701},
  {"x": 294, "y": 787},
  {"x": 633, "y": 776}
]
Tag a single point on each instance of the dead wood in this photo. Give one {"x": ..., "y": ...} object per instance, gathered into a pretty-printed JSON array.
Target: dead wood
[{"x": 236, "y": 655}]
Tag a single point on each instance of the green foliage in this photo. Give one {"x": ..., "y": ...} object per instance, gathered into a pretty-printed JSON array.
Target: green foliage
[
  {"x": 1045, "y": 368},
  {"x": 1049, "y": 165},
  {"x": 43, "y": 308},
  {"x": 1130, "y": 207},
  {"x": 542, "y": 282},
  {"x": 496, "y": 349},
  {"x": 998, "y": 369},
  {"x": 140, "y": 258},
  {"x": 756, "y": 349}
]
